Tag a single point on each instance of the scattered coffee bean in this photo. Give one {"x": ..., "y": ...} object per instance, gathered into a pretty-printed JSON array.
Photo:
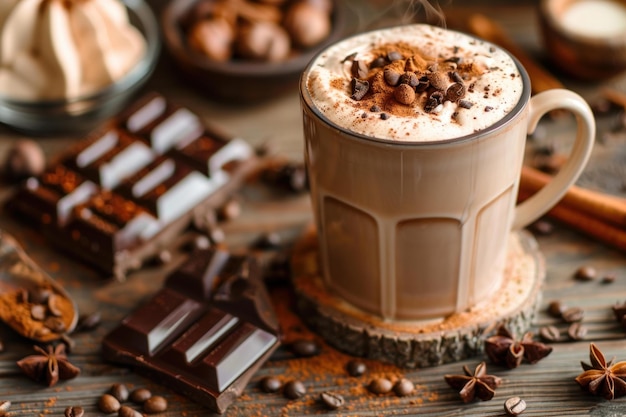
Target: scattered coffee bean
[
  {"x": 573, "y": 314},
  {"x": 555, "y": 309},
  {"x": 332, "y": 400},
  {"x": 126, "y": 411},
  {"x": 305, "y": 348},
  {"x": 514, "y": 406},
  {"x": 550, "y": 333},
  {"x": 24, "y": 159},
  {"x": 585, "y": 273},
  {"x": 5, "y": 406},
  {"x": 38, "y": 312},
  {"x": 403, "y": 387},
  {"x": 542, "y": 228},
  {"x": 294, "y": 389},
  {"x": 356, "y": 367},
  {"x": 155, "y": 404},
  {"x": 609, "y": 278},
  {"x": 89, "y": 321},
  {"x": 380, "y": 386},
  {"x": 108, "y": 404},
  {"x": 576, "y": 331},
  {"x": 140, "y": 395},
  {"x": 54, "y": 305},
  {"x": 119, "y": 391},
  {"x": 270, "y": 384},
  {"x": 74, "y": 411}
]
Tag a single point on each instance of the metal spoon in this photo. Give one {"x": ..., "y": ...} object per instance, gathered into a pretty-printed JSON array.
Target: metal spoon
[{"x": 32, "y": 302}]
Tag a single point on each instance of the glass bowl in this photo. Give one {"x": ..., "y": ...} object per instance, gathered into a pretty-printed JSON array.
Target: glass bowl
[
  {"x": 239, "y": 81},
  {"x": 81, "y": 114}
]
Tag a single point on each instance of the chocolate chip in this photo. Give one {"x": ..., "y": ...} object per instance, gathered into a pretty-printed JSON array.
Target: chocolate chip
[
  {"x": 119, "y": 391},
  {"x": 270, "y": 384},
  {"x": 585, "y": 273},
  {"x": 455, "y": 77},
  {"x": 108, "y": 404},
  {"x": 384, "y": 116},
  {"x": 294, "y": 390},
  {"x": 38, "y": 312},
  {"x": 363, "y": 115},
  {"x": 391, "y": 76},
  {"x": 514, "y": 406},
  {"x": 573, "y": 314},
  {"x": 155, "y": 404},
  {"x": 359, "y": 69},
  {"x": 465, "y": 104},
  {"x": 550, "y": 333},
  {"x": 394, "y": 56},
  {"x": 488, "y": 109},
  {"x": 576, "y": 331},
  {"x": 455, "y": 92},
  {"x": 375, "y": 108},
  {"x": 126, "y": 411},
  {"x": 359, "y": 88},
  {"x": 403, "y": 387},
  {"x": 380, "y": 386},
  {"x": 74, "y": 411},
  {"x": 305, "y": 348},
  {"x": 555, "y": 309},
  {"x": 379, "y": 62},
  {"x": 140, "y": 395},
  {"x": 89, "y": 321},
  {"x": 332, "y": 400},
  {"x": 409, "y": 78},
  {"x": 356, "y": 367}
]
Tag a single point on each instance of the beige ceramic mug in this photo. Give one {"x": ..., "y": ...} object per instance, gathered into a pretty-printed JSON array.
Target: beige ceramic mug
[{"x": 419, "y": 229}]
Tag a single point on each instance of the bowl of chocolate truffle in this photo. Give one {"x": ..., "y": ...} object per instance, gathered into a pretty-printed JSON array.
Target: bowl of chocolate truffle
[
  {"x": 248, "y": 51},
  {"x": 65, "y": 66},
  {"x": 585, "y": 39}
]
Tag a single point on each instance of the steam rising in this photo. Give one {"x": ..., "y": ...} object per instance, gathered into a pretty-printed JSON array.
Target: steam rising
[{"x": 382, "y": 13}]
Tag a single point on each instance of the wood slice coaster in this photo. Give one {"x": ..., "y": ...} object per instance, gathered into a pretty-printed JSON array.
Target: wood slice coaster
[{"x": 417, "y": 344}]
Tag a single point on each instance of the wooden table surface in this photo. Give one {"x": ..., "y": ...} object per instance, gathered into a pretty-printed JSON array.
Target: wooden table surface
[{"x": 548, "y": 387}]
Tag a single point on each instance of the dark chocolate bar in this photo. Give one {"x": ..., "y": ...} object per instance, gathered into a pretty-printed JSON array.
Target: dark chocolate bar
[
  {"x": 205, "y": 333},
  {"x": 127, "y": 190}
]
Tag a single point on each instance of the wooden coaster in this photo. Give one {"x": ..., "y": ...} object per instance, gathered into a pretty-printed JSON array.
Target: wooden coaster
[{"x": 417, "y": 344}]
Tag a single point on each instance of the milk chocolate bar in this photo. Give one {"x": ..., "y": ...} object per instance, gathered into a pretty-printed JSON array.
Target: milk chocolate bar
[
  {"x": 205, "y": 333},
  {"x": 129, "y": 189}
]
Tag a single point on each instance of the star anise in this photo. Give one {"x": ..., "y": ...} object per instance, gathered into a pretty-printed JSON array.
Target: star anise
[
  {"x": 603, "y": 378},
  {"x": 504, "y": 349},
  {"x": 474, "y": 385},
  {"x": 48, "y": 366}
]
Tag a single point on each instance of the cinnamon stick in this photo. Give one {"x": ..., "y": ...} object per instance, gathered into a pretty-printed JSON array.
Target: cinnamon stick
[
  {"x": 593, "y": 204},
  {"x": 483, "y": 27},
  {"x": 585, "y": 223}
]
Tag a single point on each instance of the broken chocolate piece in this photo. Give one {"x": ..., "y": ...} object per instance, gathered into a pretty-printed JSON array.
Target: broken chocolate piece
[
  {"x": 359, "y": 88},
  {"x": 205, "y": 333}
]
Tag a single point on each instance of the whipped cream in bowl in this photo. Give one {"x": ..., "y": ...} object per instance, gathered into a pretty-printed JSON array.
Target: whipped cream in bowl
[{"x": 65, "y": 65}]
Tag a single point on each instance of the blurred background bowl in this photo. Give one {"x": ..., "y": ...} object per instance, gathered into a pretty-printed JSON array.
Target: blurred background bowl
[
  {"x": 238, "y": 81},
  {"x": 82, "y": 114},
  {"x": 585, "y": 50}
]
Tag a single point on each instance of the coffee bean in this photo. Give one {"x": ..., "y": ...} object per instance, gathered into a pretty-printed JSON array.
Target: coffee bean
[
  {"x": 403, "y": 387},
  {"x": 38, "y": 312},
  {"x": 305, "y": 348},
  {"x": 108, "y": 404},
  {"x": 394, "y": 56},
  {"x": 39, "y": 295},
  {"x": 294, "y": 389},
  {"x": 89, "y": 321},
  {"x": 332, "y": 400},
  {"x": 55, "y": 324},
  {"x": 375, "y": 108},
  {"x": 356, "y": 367},
  {"x": 140, "y": 395},
  {"x": 550, "y": 333},
  {"x": 270, "y": 384},
  {"x": 555, "y": 309},
  {"x": 126, "y": 411},
  {"x": 5, "y": 406},
  {"x": 514, "y": 406},
  {"x": 74, "y": 412},
  {"x": 380, "y": 386},
  {"x": 573, "y": 314},
  {"x": 391, "y": 76},
  {"x": 155, "y": 404},
  {"x": 54, "y": 305},
  {"x": 585, "y": 273},
  {"x": 119, "y": 391},
  {"x": 576, "y": 331}
]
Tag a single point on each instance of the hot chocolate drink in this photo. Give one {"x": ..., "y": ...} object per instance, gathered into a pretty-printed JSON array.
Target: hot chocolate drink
[{"x": 414, "y": 83}]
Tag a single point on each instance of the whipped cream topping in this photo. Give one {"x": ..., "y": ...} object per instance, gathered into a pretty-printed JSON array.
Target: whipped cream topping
[
  {"x": 494, "y": 86},
  {"x": 53, "y": 49}
]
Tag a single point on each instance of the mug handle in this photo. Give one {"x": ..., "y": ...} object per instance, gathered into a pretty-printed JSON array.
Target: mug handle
[{"x": 535, "y": 206}]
